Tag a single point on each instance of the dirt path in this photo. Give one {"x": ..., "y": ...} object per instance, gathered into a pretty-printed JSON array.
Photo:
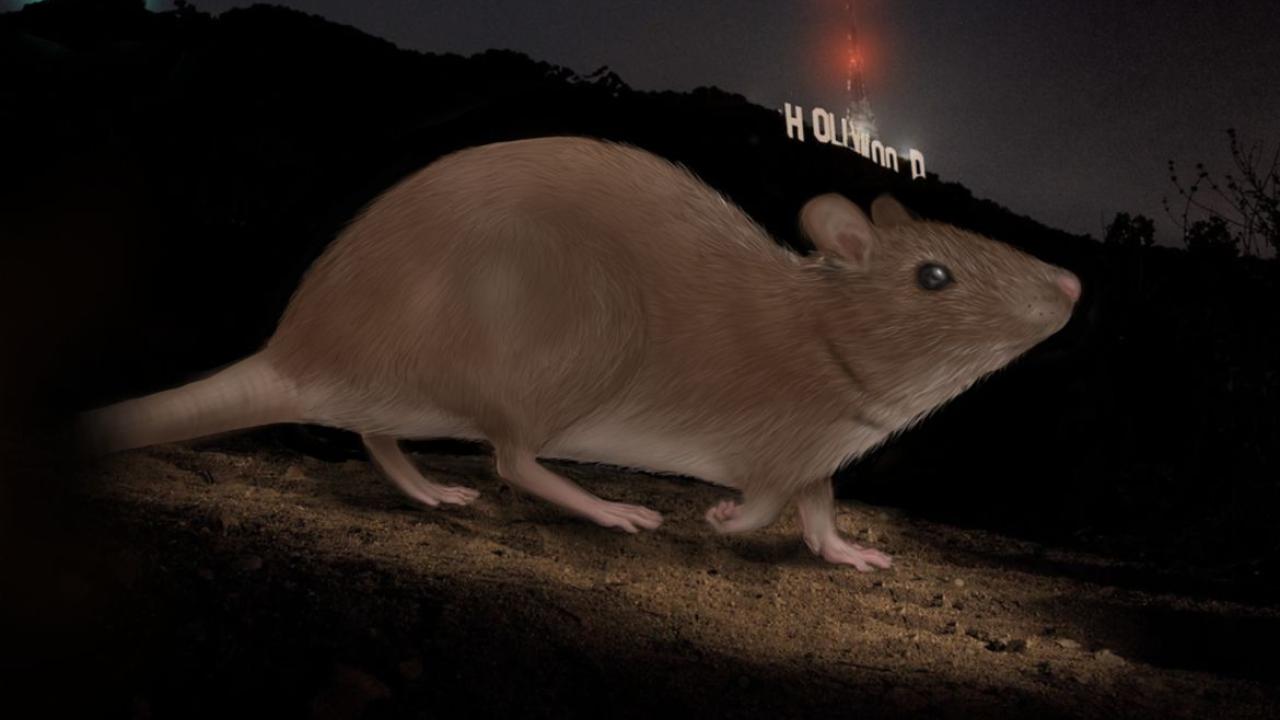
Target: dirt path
[{"x": 253, "y": 573}]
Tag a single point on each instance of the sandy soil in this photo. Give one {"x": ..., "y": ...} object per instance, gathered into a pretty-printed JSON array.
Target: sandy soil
[{"x": 256, "y": 575}]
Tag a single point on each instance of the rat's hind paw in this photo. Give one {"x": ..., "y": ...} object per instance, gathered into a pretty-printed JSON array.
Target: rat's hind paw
[
  {"x": 433, "y": 495},
  {"x": 387, "y": 455},
  {"x": 836, "y": 549},
  {"x": 629, "y": 518}
]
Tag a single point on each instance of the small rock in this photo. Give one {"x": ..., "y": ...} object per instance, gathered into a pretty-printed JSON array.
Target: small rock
[
  {"x": 975, "y": 633},
  {"x": 1021, "y": 644},
  {"x": 223, "y": 523},
  {"x": 295, "y": 473},
  {"x": 411, "y": 669},
  {"x": 958, "y": 582},
  {"x": 249, "y": 563},
  {"x": 1106, "y": 655},
  {"x": 351, "y": 691},
  {"x": 1067, "y": 643}
]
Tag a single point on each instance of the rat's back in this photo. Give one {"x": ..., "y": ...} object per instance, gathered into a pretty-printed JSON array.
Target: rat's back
[{"x": 509, "y": 288}]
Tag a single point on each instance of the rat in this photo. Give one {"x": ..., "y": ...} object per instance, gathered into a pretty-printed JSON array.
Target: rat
[{"x": 579, "y": 299}]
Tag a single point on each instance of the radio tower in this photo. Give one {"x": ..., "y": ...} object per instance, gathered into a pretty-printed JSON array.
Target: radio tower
[{"x": 859, "y": 112}]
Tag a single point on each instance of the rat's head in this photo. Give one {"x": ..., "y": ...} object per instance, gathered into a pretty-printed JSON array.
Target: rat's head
[{"x": 929, "y": 298}]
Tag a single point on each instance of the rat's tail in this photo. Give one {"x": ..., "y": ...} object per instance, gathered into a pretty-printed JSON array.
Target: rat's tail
[{"x": 242, "y": 395}]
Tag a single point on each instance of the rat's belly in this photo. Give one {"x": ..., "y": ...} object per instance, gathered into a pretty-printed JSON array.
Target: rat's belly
[
  {"x": 609, "y": 438},
  {"x": 632, "y": 444}
]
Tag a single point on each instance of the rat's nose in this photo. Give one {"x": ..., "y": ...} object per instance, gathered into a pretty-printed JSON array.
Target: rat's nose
[{"x": 1070, "y": 285}]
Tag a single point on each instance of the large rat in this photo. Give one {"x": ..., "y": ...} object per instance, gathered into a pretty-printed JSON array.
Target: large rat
[{"x": 572, "y": 298}]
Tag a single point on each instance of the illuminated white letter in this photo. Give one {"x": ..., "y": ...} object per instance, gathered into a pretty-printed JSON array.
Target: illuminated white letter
[
  {"x": 824, "y": 129},
  {"x": 862, "y": 142},
  {"x": 890, "y": 159},
  {"x": 917, "y": 163},
  {"x": 795, "y": 122},
  {"x": 877, "y": 152},
  {"x": 842, "y": 138}
]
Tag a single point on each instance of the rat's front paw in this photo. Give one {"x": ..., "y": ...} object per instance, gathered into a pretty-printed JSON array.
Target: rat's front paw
[
  {"x": 836, "y": 549},
  {"x": 722, "y": 514}
]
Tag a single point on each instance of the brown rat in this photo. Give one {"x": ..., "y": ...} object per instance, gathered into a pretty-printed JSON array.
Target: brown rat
[{"x": 572, "y": 298}]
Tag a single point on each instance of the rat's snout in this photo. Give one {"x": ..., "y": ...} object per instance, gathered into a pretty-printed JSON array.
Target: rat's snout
[
  {"x": 1051, "y": 300},
  {"x": 1069, "y": 284}
]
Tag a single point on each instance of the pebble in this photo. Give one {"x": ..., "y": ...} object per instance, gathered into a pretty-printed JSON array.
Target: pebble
[
  {"x": 958, "y": 582},
  {"x": 1106, "y": 655},
  {"x": 249, "y": 563},
  {"x": 411, "y": 669},
  {"x": 1021, "y": 644},
  {"x": 1067, "y": 643}
]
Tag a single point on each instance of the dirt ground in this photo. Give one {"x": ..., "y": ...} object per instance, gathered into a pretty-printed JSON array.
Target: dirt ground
[{"x": 255, "y": 578}]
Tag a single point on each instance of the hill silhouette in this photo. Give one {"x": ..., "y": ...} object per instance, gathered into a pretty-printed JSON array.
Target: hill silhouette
[{"x": 169, "y": 177}]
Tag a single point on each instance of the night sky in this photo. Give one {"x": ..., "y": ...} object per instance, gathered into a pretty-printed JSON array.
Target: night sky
[{"x": 1065, "y": 110}]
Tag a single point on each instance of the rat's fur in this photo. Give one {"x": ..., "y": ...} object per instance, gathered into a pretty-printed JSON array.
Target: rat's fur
[{"x": 571, "y": 298}]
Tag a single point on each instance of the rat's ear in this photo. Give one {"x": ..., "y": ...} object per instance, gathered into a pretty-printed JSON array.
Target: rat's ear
[
  {"x": 838, "y": 228},
  {"x": 887, "y": 212}
]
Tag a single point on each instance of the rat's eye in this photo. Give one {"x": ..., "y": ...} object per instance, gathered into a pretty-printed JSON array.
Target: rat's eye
[{"x": 932, "y": 276}]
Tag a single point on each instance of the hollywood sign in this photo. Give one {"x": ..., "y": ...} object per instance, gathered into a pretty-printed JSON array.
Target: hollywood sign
[{"x": 841, "y": 133}]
